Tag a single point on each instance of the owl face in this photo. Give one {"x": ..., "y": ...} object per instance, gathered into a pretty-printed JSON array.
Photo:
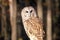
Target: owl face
[{"x": 28, "y": 12}]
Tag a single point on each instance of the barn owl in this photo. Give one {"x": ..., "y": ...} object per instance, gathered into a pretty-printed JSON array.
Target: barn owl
[{"x": 32, "y": 24}]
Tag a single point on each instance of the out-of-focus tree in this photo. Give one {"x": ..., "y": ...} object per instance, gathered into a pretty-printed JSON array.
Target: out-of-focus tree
[{"x": 13, "y": 11}]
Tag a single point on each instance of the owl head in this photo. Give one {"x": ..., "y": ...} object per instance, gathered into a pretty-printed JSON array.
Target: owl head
[{"x": 28, "y": 12}]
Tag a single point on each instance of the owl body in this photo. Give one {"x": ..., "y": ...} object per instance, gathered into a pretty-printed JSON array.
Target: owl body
[{"x": 32, "y": 24}]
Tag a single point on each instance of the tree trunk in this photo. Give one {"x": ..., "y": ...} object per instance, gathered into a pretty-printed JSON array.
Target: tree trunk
[
  {"x": 49, "y": 21},
  {"x": 13, "y": 11},
  {"x": 39, "y": 9},
  {"x": 40, "y": 12},
  {"x": 4, "y": 24}
]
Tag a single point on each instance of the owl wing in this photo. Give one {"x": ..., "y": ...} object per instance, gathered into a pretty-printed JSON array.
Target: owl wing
[{"x": 34, "y": 27}]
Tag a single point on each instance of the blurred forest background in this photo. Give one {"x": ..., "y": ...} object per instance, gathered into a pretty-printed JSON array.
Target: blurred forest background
[{"x": 48, "y": 10}]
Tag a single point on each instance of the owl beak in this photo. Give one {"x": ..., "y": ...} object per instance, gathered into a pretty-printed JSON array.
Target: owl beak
[{"x": 30, "y": 15}]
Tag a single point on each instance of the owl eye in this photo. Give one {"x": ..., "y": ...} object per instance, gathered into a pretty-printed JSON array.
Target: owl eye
[
  {"x": 31, "y": 11},
  {"x": 26, "y": 11}
]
